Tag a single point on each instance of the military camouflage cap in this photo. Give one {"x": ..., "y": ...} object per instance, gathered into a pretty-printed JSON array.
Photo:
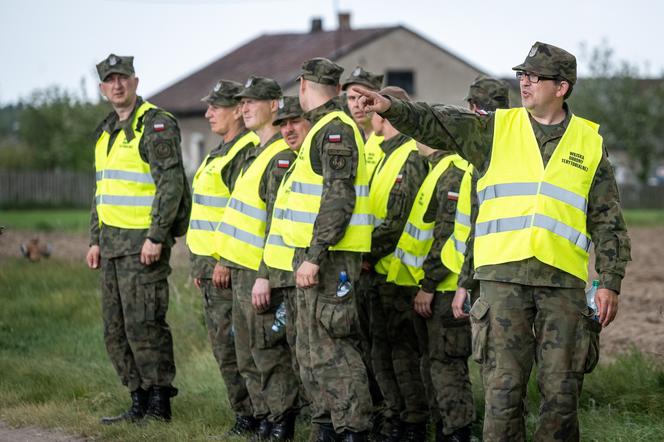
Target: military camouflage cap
[
  {"x": 489, "y": 93},
  {"x": 115, "y": 64},
  {"x": 260, "y": 88},
  {"x": 289, "y": 107},
  {"x": 223, "y": 93},
  {"x": 321, "y": 70},
  {"x": 364, "y": 78},
  {"x": 550, "y": 61}
]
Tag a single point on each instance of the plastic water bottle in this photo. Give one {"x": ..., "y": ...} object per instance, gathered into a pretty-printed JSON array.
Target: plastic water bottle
[
  {"x": 590, "y": 299},
  {"x": 279, "y": 318},
  {"x": 466, "y": 303},
  {"x": 344, "y": 286}
]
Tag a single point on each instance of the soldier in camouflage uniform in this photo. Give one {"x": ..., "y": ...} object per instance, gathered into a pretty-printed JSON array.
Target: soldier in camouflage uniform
[
  {"x": 225, "y": 118},
  {"x": 371, "y": 81},
  {"x": 328, "y": 340},
  {"x": 528, "y": 309},
  {"x": 263, "y": 356},
  {"x": 443, "y": 326},
  {"x": 272, "y": 281},
  {"x": 141, "y": 204},
  {"x": 394, "y": 349}
]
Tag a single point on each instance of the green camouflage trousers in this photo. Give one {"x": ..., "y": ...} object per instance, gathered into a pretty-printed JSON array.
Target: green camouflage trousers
[
  {"x": 134, "y": 304},
  {"x": 514, "y": 325},
  {"x": 263, "y": 356},
  {"x": 445, "y": 346},
  {"x": 379, "y": 353},
  {"x": 219, "y": 321},
  {"x": 403, "y": 345},
  {"x": 329, "y": 345}
]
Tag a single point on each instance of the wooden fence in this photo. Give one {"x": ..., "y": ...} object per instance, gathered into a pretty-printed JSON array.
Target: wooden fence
[{"x": 24, "y": 189}]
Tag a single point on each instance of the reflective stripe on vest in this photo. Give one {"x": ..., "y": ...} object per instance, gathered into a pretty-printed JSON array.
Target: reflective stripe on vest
[
  {"x": 125, "y": 187},
  {"x": 382, "y": 183},
  {"x": 527, "y": 210},
  {"x": 241, "y": 234},
  {"x": 302, "y": 196},
  {"x": 211, "y": 196},
  {"x": 416, "y": 240},
  {"x": 373, "y": 153}
]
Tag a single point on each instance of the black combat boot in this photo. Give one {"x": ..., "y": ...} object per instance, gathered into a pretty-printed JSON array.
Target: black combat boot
[
  {"x": 284, "y": 430},
  {"x": 460, "y": 435},
  {"x": 263, "y": 432},
  {"x": 414, "y": 432},
  {"x": 139, "y": 403},
  {"x": 326, "y": 433},
  {"x": 244, "y": 425},
  {"x": 159, "y": 404},
  {"x": 353, "y": 436}
]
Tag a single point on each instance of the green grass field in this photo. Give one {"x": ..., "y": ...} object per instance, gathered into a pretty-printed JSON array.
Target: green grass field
[
  {"x": 55, "y": 371},
  {"x": 77, "y": 220}
]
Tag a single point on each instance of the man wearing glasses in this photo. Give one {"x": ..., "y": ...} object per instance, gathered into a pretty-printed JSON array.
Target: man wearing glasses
[{"x": 546, "y": 188}]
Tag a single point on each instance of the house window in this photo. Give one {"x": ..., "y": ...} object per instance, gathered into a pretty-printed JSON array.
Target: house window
[{"x": 403, "y": 79}]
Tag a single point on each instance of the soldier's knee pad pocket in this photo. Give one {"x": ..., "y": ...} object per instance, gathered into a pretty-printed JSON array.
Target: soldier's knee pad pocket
[
  {"x": 457, "y": 338},
  {"x": 337, "y": 315},
  {"x": 479, "y": 320},
  {"x": 587, "y": 344}
]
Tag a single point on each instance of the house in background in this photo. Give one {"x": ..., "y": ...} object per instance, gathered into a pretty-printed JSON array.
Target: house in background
[{"x": 425, "y": 70}]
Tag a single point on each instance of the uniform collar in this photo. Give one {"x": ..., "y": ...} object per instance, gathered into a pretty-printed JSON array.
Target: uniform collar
[
  {"x": 223, "y": 147},
  {"x": 112, "y": 124},
  {"x": 316, "y": 114},
  {"x": 389, "y": 146},
  {"x": 547, "y": 133}
]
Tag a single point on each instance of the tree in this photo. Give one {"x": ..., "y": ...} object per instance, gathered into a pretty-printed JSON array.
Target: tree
[
  {"x": 53, "y": 129},
  {"x": 627, "y": 107}
]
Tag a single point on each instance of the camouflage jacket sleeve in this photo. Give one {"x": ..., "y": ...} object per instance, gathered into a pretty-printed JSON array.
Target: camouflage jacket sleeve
[
  {"x": 607, "y": 228},
  {"x": 94, "y": 220},
  {"x": 385, "y": 237},
  {"x": 466, "y": 279},
  {"x": 445, "y": 127},
  {"x": 441, "y": 210},
  {"x": 337, "y": 162},
  {"x": 269, "y": 186},
  {"x": 161, "y": 149}
]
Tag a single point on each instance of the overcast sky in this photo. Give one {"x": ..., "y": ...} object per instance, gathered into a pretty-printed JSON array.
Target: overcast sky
[{"x": 58, "y": 42}]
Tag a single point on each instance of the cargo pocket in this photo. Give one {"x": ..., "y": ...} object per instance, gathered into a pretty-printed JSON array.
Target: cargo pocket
[
  {"x": 587, "y": 348},
  {"x": 337, "y": 318},
  {"x": 457, "y": 337},
  {"x": 153, "y": 290},
  {"x": 479, "y": 320},
  {"x": 270, "y": 330}
]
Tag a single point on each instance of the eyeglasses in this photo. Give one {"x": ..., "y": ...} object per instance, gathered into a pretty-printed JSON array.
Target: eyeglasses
[{"x": 532, "y": 78}]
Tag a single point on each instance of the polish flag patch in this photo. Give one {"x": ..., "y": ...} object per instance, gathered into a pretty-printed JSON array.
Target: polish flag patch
[
  {"x": 334, "y": 138},
  {"x": 398, "y": 179},
  {"x": 454, "y": 196},
  {"x": 159, "y": 127},
  {"x": 283, "y": 164}
]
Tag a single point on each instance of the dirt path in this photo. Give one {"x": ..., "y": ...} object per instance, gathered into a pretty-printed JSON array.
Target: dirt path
[{"x": 33, "y": 434}]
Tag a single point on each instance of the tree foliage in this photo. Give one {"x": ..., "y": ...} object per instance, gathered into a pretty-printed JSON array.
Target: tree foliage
[
  {"x": 51, "y": 130},
  {"x": 627, "y": 107}
]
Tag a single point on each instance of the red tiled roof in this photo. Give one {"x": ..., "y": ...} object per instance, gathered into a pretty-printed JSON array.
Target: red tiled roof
[{"x": 277, "y": 56}]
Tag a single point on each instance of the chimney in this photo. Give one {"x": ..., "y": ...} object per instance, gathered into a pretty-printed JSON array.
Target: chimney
[
  {"x": 316, "y": 24},
  {"x": 344, "y": 21}
]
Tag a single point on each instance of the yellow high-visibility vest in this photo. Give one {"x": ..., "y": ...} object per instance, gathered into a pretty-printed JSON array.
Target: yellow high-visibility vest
[
  {"x": 527, "y": 210},
  {"x": 454, "y": 249},
  {"x": 277, "y": 254},
  {"x": 416, "y": 240},
  {"x": 241, "y": 233},
  {"x": 383, "y": 181},
  {"x": 210, "y": 197},
  {"x": 125, "y": 187},
  {"x": 304, "y": 188},
  {"x": 373, "y": 153}
]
